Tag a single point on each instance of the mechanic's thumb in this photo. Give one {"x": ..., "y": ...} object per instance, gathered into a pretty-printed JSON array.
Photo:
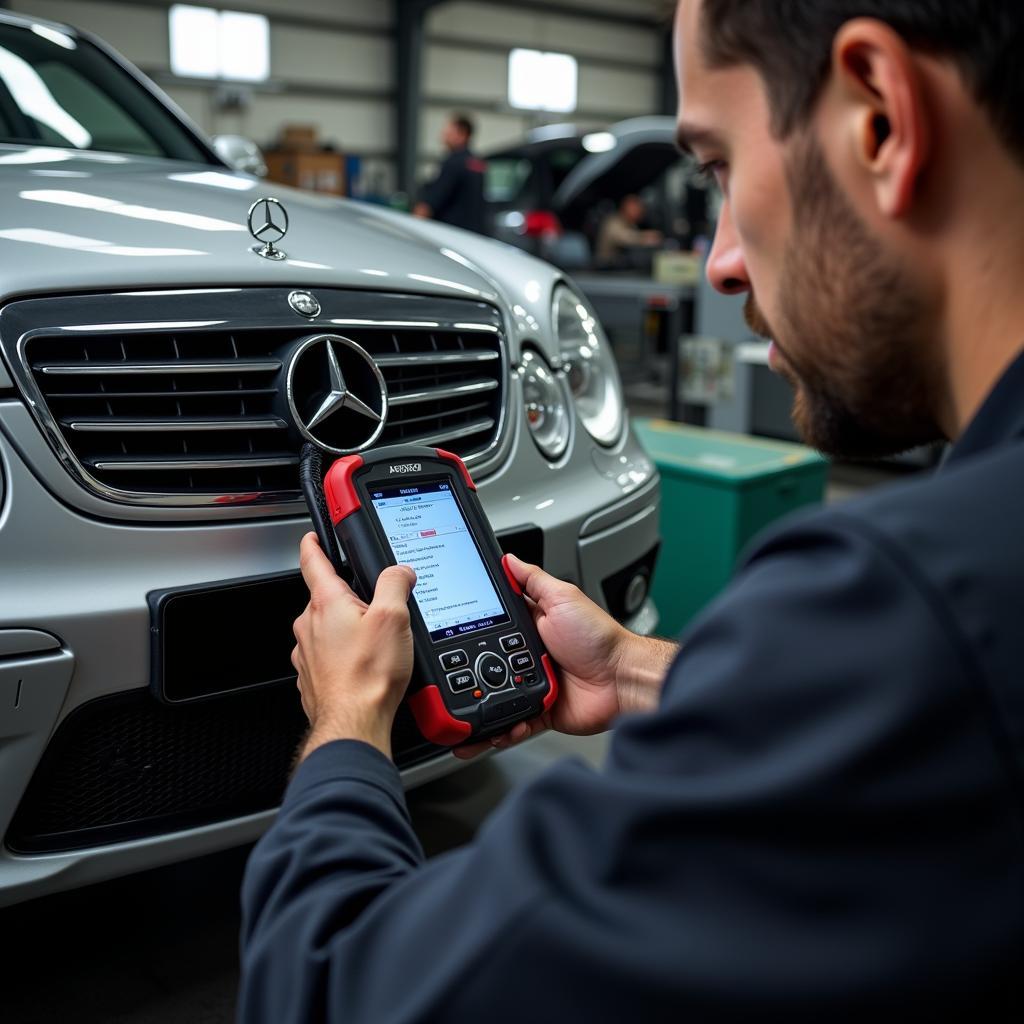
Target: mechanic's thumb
[
  {"x": 394, "y": 585},
  {"x": 533, "y": 579},
  {"x": 316, "y": 567}
]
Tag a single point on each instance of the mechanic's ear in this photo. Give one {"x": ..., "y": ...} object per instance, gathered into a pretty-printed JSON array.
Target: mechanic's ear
[{"x": 885, "y": 117}]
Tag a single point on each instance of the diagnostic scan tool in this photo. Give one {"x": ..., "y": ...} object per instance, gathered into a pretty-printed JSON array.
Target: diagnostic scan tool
[{"x": 480, "y": 666}]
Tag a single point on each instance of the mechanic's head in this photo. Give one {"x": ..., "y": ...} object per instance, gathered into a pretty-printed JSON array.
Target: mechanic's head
[
  {"x": 863, "y": 149},
  {"x": 632, "y": 209},
  {"x": 457, "y": 132}
]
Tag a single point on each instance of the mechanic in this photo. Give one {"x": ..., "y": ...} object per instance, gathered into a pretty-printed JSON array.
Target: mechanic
[
  {"x": 456, "y": 195},
  {"x": 621, "y": 231},
  {"x": 812, "y": 811}
]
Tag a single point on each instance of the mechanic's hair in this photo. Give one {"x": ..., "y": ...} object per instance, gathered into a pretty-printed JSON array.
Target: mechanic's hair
[
  {"x": 790, "y": 43},
  {"x": 464, "y": 123}
]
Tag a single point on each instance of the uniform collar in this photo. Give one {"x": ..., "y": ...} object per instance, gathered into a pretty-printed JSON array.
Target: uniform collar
[{"x": 1000, "y": 419}]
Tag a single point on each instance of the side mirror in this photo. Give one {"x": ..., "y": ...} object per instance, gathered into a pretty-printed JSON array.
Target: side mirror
[{"x": 241, "y": 154}]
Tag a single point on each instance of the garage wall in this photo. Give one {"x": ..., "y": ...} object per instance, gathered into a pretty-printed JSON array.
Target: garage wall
[
  {"x": 331, "y": 65},
  {"x": 621, "y": 63}
]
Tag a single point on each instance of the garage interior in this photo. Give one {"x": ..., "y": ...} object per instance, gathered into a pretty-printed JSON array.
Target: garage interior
[
  {"x": 379, "y": 78},
  {"x": 367, "y": 87}
]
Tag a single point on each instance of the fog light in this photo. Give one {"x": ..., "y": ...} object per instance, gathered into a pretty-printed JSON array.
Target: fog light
[
  {"x": 626, "y": 591},
  {"x": 636, "y": 593}
]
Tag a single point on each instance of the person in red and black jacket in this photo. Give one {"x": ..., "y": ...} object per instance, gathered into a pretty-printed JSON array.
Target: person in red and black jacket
[{"x": 456, "y": 195}]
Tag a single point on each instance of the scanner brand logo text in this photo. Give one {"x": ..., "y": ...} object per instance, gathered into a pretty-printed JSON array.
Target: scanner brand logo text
[{"x": 408, "y": 467}]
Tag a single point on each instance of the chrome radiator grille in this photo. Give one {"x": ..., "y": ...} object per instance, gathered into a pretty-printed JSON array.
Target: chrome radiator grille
[
  {"x": 201, "y": 411},
  {"x": 169, "y": 412}
]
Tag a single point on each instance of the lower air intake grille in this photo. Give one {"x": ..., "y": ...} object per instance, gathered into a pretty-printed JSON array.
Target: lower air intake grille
[{"x": 126, "y": 767}]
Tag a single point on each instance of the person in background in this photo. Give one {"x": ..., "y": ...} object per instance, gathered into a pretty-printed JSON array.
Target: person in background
[
  {"x": 621, "y": 231},
  {"x": 456, "y": 195}
]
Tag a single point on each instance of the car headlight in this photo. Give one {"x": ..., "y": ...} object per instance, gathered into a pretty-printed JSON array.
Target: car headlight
[
  {"x": 547, "y": 412},
  {"x": 593, "y": 375}
]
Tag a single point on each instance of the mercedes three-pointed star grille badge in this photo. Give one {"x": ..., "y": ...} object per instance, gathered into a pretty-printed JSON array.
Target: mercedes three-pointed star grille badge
[{"x": 336, "y": 393}]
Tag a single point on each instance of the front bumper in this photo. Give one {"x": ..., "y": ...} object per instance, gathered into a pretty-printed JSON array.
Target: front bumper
[{"x": 84, "y": 581}]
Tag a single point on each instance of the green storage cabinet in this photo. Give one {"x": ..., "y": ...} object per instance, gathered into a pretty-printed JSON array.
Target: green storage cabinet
[{"x": 717, "y": 491}]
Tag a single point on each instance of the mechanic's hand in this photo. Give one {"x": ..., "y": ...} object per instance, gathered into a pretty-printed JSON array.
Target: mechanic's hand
[
  {"x": 354, "y": 659},
  {"x": 585, "y": 642}
]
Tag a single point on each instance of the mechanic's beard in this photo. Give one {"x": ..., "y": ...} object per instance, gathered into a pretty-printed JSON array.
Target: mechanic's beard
[{"x": 850, "y": 328}]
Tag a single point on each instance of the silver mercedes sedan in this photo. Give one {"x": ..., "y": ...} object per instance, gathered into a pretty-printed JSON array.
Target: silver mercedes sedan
[{"x": 166, "y": 329}]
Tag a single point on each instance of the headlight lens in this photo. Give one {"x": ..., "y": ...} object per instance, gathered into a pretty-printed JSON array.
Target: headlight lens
[
  {"x": 593, "y": 375},
  {"x": 547, "y": 413}
]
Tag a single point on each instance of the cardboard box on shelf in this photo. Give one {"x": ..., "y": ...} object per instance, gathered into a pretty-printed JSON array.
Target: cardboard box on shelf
[
  {"x": 313, "y": 171},
  {"x": 301, "y": 137}
]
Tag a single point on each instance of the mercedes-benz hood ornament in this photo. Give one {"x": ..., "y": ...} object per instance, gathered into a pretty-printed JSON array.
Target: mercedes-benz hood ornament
[{"x": 268, "y": 224}]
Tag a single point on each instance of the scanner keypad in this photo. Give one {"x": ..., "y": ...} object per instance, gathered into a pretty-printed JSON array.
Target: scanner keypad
[
  {"x": 484, "y": 670},
  {"x": 451, "y": 660}
]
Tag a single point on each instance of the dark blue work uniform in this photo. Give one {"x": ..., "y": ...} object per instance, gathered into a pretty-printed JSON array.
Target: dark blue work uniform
[
  {"x": 824, "y": 820},
  {"x": 456, "y": 195}
]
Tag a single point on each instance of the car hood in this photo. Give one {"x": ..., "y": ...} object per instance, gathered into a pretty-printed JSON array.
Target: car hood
[
  {"x": 77, "y": 221},
  {"x": 642, "y": 148}
]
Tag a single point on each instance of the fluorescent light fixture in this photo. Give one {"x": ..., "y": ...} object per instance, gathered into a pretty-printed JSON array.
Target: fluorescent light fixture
[
  {"x": 599, "y": 142},
  {"x": 195, "y": 42},
  {"x": 207, "y": 43},
  {"x": 244, "y": 47},
  {"x": 542, "y": 81}
]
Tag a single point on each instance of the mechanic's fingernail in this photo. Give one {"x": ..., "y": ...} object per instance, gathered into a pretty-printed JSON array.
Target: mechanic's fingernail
[{"x": 521, "y": 731}]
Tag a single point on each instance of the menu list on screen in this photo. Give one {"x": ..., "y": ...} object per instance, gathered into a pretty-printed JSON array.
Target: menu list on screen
[{"x": 426, "y": 530}]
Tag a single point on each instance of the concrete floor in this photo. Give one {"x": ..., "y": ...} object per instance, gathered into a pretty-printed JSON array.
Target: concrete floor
[{"x": 161, "y": 947}]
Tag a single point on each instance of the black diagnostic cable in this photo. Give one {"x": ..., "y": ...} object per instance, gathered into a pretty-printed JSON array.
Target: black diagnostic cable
[{"x": 311, "y": 476}]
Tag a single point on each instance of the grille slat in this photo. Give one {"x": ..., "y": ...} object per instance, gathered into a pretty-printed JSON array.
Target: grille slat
[
  {"x": 140, "y": 369},
  {"x": 439, "y": 393},
  {"x": 201, "y": 416},
  {"x": 469, "y": 430},
  {"x": 182, "y": 424},
  {"x": 104, "y": 395},
  {"x": 448, "y": 413},
  {"x": 155, "y": 465},
  {"x": 466, "y": 356}
]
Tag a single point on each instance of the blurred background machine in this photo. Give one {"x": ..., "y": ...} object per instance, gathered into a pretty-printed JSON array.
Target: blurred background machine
[{"x": 718, "y": 491}]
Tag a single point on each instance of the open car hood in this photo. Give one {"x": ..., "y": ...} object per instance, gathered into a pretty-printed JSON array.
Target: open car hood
[{"x": 644, "y": 148}]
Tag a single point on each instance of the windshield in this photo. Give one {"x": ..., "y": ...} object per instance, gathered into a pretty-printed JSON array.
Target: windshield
[
  {"x": 527, "y": 176},
  {"x": 562, "y": 161},
  {"x": 60, "y": 90}
]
